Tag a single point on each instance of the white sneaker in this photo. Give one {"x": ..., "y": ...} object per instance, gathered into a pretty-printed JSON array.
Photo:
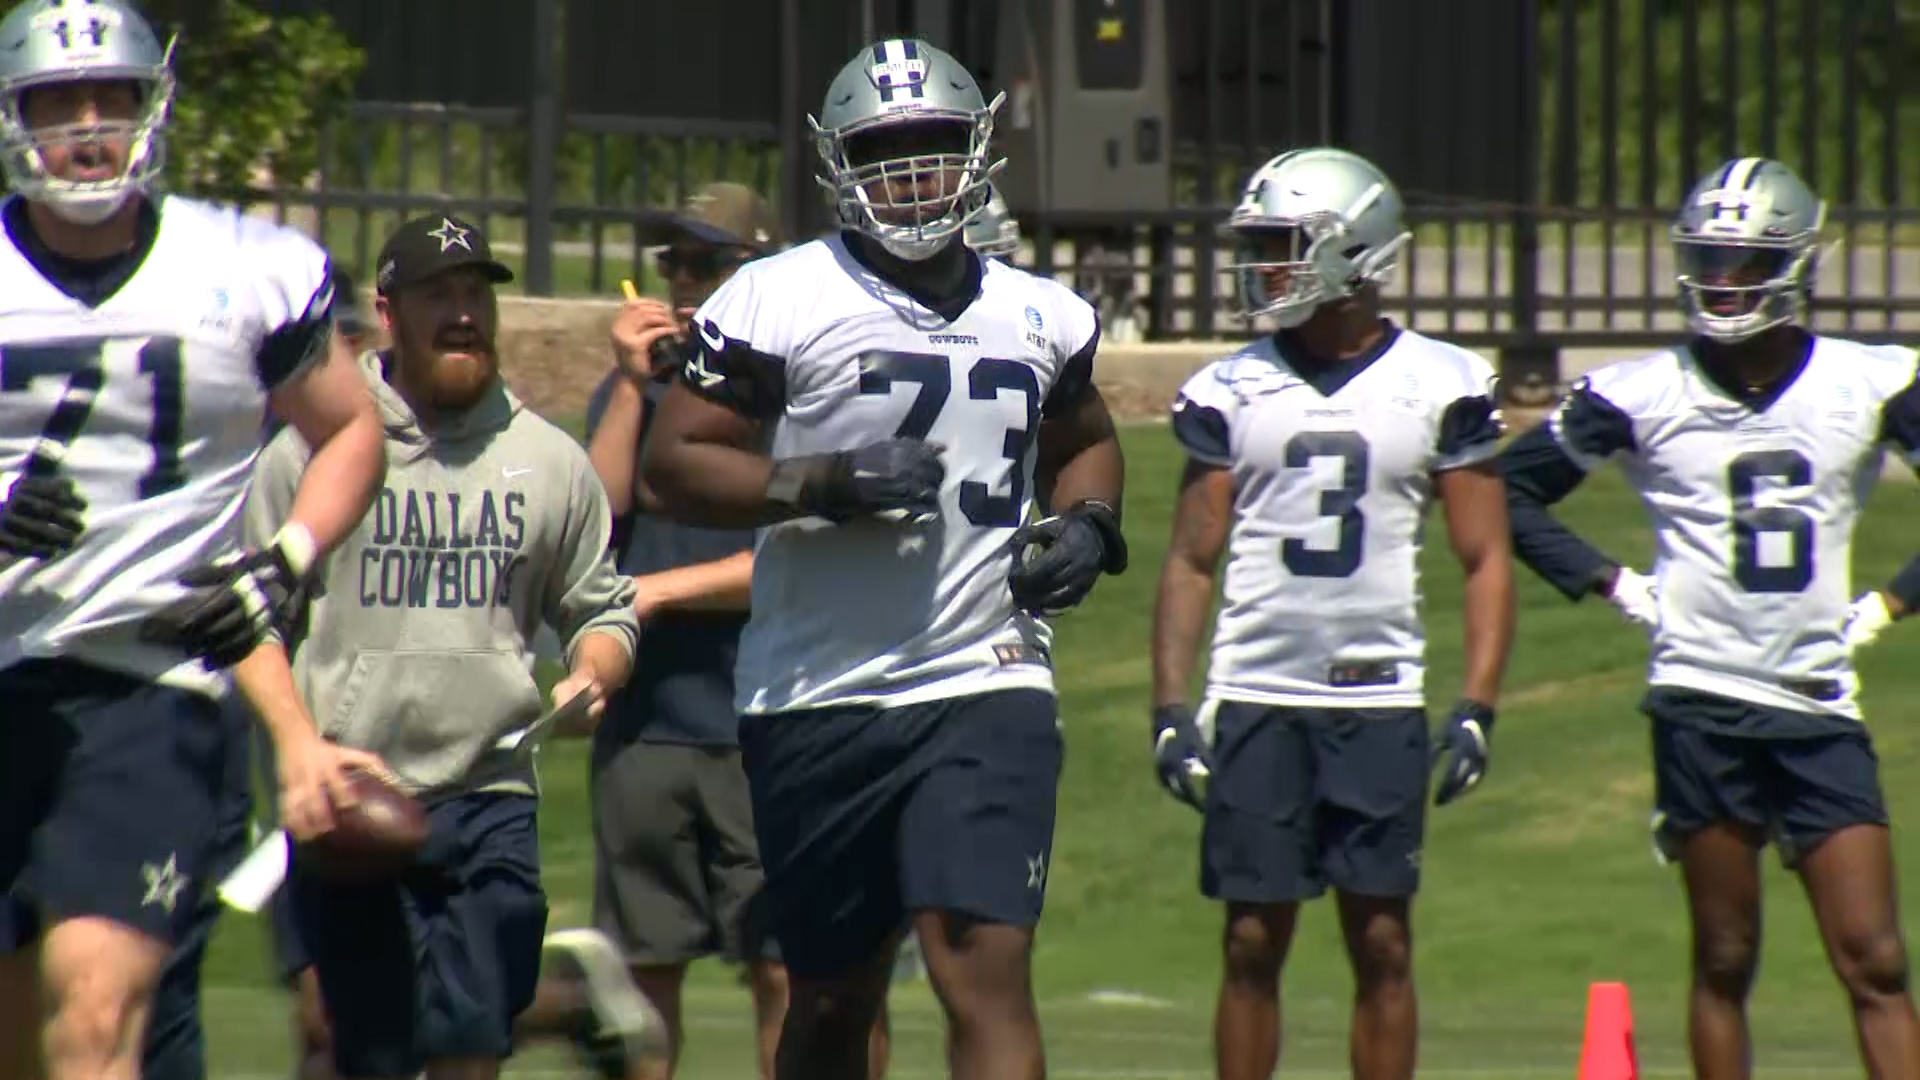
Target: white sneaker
[{"x": 625, "y": 1026}]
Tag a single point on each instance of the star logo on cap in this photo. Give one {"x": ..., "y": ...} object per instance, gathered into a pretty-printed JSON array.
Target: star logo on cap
[{"x": 450, "y": 235}]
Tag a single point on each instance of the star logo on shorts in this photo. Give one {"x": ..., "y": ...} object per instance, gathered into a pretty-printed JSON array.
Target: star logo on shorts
[
  {"x": 1037, "y": 871},
  {"x": 165, "y": 882}
]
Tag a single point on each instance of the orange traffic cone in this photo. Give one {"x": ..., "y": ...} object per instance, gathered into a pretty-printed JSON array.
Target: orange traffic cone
[{"x": 1608, "y": 1053}]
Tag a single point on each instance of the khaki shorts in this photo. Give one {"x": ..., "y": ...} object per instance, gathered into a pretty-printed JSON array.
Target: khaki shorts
[{"x": 677, "y": 873}]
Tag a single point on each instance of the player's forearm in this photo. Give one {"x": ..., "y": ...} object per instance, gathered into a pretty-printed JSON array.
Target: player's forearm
[
  {"x": 1489, "y": 624},
  {"x": 721, "y": 585},
  {"x": 1179, "y": 622},
  {"x": 1096, "y": 472},
  {"x": 611, "y": 450},
  {"x": 265, "y": 679},
  {"x": 340, "y": 481},
  {"x": 603, "y": 658},
  {"x": 711, "y": 484},
  {"x": 1559, "y": 555}
]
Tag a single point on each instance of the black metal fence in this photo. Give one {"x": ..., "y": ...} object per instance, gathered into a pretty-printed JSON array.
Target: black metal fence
[{"x": 1570, "y": 130}]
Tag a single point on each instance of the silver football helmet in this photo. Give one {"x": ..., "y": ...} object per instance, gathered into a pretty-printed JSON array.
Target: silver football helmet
[
  {"x": 995, "y": 233},
  {"x": 904, "y": 135},
  {"x": 1746, "y": 247},
  {"x": 1313, "y": 226},
  {"x": 47, "y": 42}
]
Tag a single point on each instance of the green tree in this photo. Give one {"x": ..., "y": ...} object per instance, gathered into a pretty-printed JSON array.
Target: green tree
[
  {"x": 1885, "y": 48},
  {"x": 254, "y": 94}
]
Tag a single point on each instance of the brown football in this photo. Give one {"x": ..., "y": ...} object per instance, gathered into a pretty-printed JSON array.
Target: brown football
[{"x": 379, "y": 836}]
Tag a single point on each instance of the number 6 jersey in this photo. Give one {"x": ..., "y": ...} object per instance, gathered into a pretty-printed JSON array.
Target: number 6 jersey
[
  {"x": 1753, "y": 508},
  {"x": 153, "y": 400},
  {"x": 1332, "y": 467},
  {"x": 830, "y": 356}
]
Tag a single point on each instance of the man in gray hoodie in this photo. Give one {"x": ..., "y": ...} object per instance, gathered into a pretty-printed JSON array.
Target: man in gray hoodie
[{"x": 417, "y": 646}]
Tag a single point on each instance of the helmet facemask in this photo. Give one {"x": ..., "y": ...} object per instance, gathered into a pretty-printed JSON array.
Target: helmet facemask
[
  {"x": 1733, "y": 290},
  {"x": 138, "y": 137},
  {"x": 911, "y": 181}
]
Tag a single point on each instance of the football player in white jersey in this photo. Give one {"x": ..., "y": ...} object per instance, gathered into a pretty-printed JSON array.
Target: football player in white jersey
[
  {"x": 888, "y": 408},
  {"x": 141, "y": 341},
  {"x": 1312, "y": 457},
  {"x": 1753, "y": 446}
]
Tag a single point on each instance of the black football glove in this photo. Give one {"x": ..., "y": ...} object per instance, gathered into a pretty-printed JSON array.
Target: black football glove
[
  {"x": 40, "y": 517},
  {"x": 235, "y": 601},
  {"x": 1460, "y": 750},
  {"x": 1179, "y": 755},
  {"x": 1056, "y": 560},
  {"x": 897, "y": 479}
]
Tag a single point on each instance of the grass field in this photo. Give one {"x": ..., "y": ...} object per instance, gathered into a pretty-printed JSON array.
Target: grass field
[{"x": 1538, "y": 885}]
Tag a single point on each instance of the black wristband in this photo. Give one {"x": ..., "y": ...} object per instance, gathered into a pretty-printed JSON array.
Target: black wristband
[
  {"x": 1905, "y": 586},
  {"x": 1171, "y": 715},
  {"x": 1106, "y": 521},
  {"x": 1469, "y": 709}
]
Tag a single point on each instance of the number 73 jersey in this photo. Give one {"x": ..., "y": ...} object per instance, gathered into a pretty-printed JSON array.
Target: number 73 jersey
[
  {"x": 154, "y": 403},
  {"x": 829, "y": 356},
  {"x": 1332, "y": 470},
  {"x": 1753, "y": 509}
]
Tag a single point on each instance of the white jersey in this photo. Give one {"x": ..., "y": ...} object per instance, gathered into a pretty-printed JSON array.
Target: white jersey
[
  {"x": 1332, "y": 473},
  {"x": 1753, "y": 510},
  {"x": 154, "y": 403},
  {"x": 832, "y": 357}
]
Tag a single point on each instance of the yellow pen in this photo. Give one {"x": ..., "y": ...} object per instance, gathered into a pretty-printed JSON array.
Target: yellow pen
[{"x": 626, "y": 286}]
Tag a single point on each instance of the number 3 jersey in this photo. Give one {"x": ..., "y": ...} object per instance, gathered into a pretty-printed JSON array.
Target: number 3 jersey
[
  {"x": 1332, "y": 467},
  {"x": 1753, "y": 509},
  {"x": 830, "y": 356},
  {"x": 153, "y": 401}
]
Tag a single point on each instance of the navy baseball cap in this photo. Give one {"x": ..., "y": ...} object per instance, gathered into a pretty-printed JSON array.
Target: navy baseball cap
[{"x": 430, "y": 245}]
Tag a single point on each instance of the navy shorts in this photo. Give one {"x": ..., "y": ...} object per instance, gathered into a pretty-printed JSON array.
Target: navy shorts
[
  {"x": 867, "y": 814},
  {"x": 110, "y": 788},
  {"x": 436, "y": 964},
  {"x": 1305, "y": 798},
  {"x": 176, "y": 1045},
  {"x": 1796, "y": 791}
]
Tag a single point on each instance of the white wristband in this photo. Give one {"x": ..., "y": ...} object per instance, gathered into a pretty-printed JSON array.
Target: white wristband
[{"x": 296, "y": 545}]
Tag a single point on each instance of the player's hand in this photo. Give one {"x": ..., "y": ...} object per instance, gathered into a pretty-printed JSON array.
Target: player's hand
[
  {"x": 234, "y": 601},
  {"x": 1056, "y": 560},
  {"x": 1866, "y": 618},
  {"x": 571, "y": 687},
  {"x": 643, "y": 333},
  {"x": 895, "y": 480},
  {"x": 39, "y": 516},
  {"x": 1460, "y": 750},
  {"x": 1180, "y": 756},
  {"x": 313, "y": 782},
  {"x": 1637, "y": 596}
]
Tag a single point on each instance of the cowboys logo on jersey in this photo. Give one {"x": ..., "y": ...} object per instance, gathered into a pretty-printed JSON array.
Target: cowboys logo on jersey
[
  {"x": 1333, "y": 474},
  {"x": 152, "y": 399},
  {"x": 831, "y": 356}
]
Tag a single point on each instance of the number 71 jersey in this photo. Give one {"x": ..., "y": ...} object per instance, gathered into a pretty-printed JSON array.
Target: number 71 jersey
[
  {"x": 1332, "y": 470},
  {"x": 153, "y": 402},
  {"x": 1753, "y": 509}
]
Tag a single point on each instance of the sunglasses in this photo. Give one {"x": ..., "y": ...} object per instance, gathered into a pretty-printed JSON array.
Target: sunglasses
[{"x": 701, "y": 264}]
